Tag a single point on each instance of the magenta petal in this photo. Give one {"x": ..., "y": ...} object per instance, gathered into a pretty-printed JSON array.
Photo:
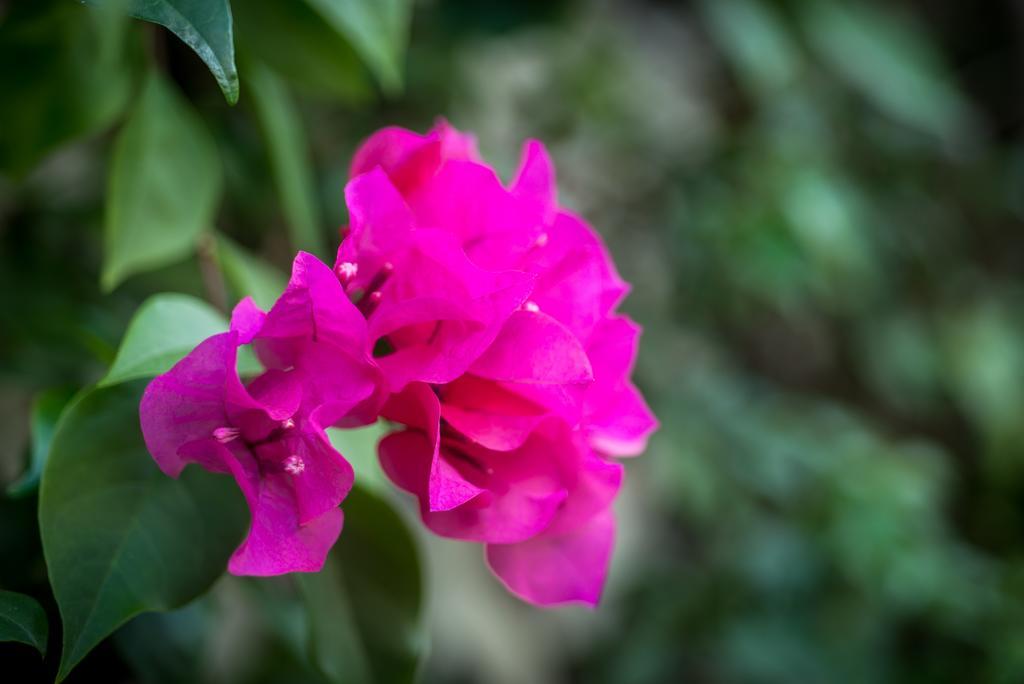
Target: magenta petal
[
  {"x": 468, "y": 200},
  {"x": 558, "y": 568},
  {"x": 440, "y": 311},
  {"x": 276, "y": 542},
  {"x": 522, "y": 492},
  {"x": 576, "y": 280},
  {"x": 622, "y": 423},
  {"x": 405, "y": 457},
  {"x": 325, "y": 478},
  {"x": 618, "y": 419},
  {"x": 535, "y": 348},
  {"x": 186, "y": 403},
  {"x": 535, "y": 178},
  {"x": 418, "y": 406},
  {"x": 380, "y": 224},
  {"x": 246, "y": 320},
  {"x": 314, "y": 307},
  {"x": 410, "y": 159}
]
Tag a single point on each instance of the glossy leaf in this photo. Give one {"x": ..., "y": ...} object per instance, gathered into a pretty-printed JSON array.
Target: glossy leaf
[
  {"x": 165, "y": 183},
  {"x": 289, "y": 158},
  {"x": 22, "y": 619},
  {"x": 377, "y": 29},
  {"x": 365, "y": 608},
  {"x": 248, "y": 275},
  {"x": 204, "y": 25},
  {"x": 164, "y": 329},
  {"x": 46, "y": 409},
  {"x": 119, "y": 536}
]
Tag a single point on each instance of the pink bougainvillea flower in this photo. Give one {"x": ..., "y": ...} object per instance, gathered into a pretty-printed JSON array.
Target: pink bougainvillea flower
[
  {"x": 492, "y": 312},
  {"x": 269, "y": 433},
  {"x": 542, "y": 509}
]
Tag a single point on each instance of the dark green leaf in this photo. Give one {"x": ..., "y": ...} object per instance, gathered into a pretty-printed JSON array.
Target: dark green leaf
[
  {"x": 46, "y": 409},
  {"x": 299, "y": 44},
  {"x": 164, "y": 329},
  {"x": 165, "y": 183},
  {"x": 289, "y": 157},
  {"x": 377, "y": 29},
  {"x": 22, "y": 619},
  {"x": 248, "y": 275},
  {"x": 119, "y": 536},
  {"x": 365, "y": 607},
  {"x": 67, "y": 83},
  {"x": 204, "y": 25}
]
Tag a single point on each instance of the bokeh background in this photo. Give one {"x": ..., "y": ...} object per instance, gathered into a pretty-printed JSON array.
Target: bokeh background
[{"x": 820, "y": 206}]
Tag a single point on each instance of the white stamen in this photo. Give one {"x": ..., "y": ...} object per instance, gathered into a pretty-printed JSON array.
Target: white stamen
[
  {"x": 376, "y": 296},
  {"x": 226, "y": 434},
  {"x": 531, "y": 306},
  {"x": 542, "y": 240},
  {"x": 346, "y": 271},
  {"x": 388, "y": 267},
  {"x": 294, "y": 464},
  {"x": 287, "y": 424}
]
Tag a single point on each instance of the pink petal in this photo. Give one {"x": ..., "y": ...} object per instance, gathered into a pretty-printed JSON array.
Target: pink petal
[
  {"x": 551, "y": 569},
  {"x": 468, "y": 200},
  {"x": 246, "y": 320},
  {"x": 186, "y": 403},
  {"x": 533, "y": 347},
  {"x": 326, "y": 477},
  {"x": 576, "y": 280},
  {"x": 617, "y": 417},
  {"x": 522, "y": 492},
  {"x": 380, "y": 224},
  {"x": 440, "y": 311},
  {"x": 488, "y": 414},
  {"x": 535, "y": 178},
  {"x": 418, "y": 406},
  {"x": 622, "y": 423}
]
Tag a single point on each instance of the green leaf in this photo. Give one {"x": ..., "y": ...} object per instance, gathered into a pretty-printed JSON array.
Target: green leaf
[
  {"x": 119, "y": 536},
  {"x": 46, "y": 409},
  {"x": 296, "y": 42},
  {"x": 248, "y": 275},
  {"x": 68, "y": 83},
  {"x": 164, "y": 329},
  {"x": 359, "y": 447},
  {"x": 366, "y": 607},
  {"x": 289, "y": 157},
  {"x": 22, "y": 619},
  {"x": 165, "y": 183},
  {"x": 204, "y": 25},
  {"x": 377, "y": 29}
]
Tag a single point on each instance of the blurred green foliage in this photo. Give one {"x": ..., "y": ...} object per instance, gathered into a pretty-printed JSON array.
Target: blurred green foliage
[{"x": 820, "y": 206}]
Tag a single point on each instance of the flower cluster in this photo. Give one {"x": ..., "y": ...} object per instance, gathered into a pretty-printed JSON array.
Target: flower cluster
[{"x": 480, "y": 319}]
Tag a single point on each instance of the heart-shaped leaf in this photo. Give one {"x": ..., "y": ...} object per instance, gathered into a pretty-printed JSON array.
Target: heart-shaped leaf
[
  {"x": 165, "y": 182},
  {"x": 22, "y": 619},
  {"x": 164, "y": 329},
  {"x": 119, "y": 536}
]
